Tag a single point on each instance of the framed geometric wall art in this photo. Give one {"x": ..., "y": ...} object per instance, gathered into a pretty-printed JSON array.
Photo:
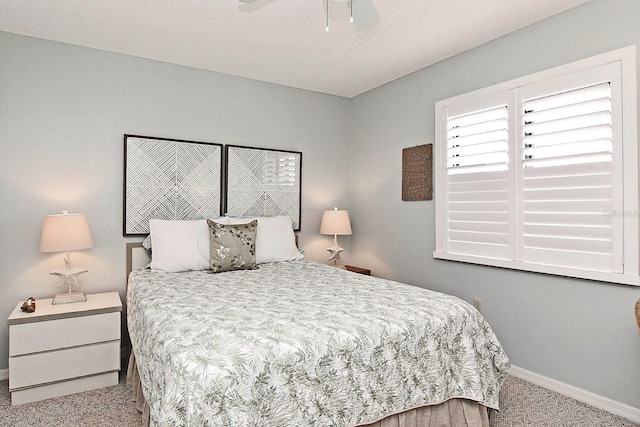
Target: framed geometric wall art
[
  {"x": 169, "y": 179},
  {"x": 263, "y": 182},
  {"x": 417, "y": 180}
]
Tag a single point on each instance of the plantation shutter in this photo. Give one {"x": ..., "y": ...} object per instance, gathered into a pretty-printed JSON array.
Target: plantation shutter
[
  {"x": 531, "y": 174},
  {"x": 568, "y": 199},
  {"x": 477, "y": 156}
]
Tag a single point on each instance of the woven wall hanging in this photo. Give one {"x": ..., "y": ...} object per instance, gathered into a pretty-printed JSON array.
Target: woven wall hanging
[{"x": 417, "y": 182}]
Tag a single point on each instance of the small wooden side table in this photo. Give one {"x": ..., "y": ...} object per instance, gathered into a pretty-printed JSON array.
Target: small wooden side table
[{"x": 360, "y": 270}]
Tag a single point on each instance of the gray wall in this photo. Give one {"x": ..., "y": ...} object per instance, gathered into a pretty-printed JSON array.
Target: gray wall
[
  {"x": 63, "y": 112},
  {"x": 579, "y": 332}
]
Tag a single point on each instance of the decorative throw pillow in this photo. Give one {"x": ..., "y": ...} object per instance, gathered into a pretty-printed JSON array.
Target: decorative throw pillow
[
  {"x": 233, "y": 247},
  {"x": 275, "y": 240}
]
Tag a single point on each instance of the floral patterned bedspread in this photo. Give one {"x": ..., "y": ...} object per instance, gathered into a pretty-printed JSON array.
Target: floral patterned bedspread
[{"x": 300, "y": 343}]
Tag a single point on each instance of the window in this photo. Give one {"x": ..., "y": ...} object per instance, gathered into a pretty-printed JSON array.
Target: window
[{"x": 540, "y": 173}]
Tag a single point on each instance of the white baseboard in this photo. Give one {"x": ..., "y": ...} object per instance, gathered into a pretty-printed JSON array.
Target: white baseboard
[
  {"x": 4, "y": 374},
  {"x": 579, "y": 394}
]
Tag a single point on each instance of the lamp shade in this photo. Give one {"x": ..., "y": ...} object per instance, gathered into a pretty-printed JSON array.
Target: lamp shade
[
  {"x": 65, "y": 232},
  {"x": 335, "y": 222}
]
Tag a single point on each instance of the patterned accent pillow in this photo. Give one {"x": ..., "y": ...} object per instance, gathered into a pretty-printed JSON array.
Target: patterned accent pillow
[{"x": 233, "y": 247}]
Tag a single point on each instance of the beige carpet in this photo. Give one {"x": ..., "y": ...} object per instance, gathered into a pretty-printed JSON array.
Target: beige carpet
[
  {"x": 522, "y": 404},
  {"x": 525, "y": 404},
  {"x": 109, "y": 406}
]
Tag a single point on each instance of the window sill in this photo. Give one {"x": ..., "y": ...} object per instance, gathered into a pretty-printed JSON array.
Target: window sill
[{"x": 624, "y": 279}]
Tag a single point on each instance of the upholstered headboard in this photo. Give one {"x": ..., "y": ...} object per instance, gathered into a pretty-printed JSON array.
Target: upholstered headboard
[{"x": 137, "y": 257}]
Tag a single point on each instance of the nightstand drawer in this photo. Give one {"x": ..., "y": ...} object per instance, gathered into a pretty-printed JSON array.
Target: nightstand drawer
[
  {"x": 52, "y": 366},
  {"x": 55, "y": 334}
]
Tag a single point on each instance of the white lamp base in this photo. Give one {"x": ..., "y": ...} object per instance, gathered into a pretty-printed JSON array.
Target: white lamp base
[
  {"x": 69, "y": 277},
  {"x": 69, "y": 297},
  {"x": 335, "y": 251}
]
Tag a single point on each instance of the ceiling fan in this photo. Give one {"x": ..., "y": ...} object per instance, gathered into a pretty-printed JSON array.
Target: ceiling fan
[{"x": 365, "y": 11}]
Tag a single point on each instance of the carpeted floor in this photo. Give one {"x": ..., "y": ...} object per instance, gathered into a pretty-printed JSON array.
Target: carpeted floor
[
  {"x": 525, "y": 404},
  {"x": 109, "y": 406},
  {"x": 521, "y": 403}
]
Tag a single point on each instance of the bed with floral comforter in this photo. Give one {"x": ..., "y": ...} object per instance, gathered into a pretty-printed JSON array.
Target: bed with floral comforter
[{"x": 300, "y": 343}]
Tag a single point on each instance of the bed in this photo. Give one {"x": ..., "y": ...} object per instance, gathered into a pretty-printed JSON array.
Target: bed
[{"x": 300, "y": 343}]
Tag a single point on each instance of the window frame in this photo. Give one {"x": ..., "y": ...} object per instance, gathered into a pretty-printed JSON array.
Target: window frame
[{"x": 630, "y": 163}]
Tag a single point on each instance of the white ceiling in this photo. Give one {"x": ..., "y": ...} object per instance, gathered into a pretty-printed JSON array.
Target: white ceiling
[{"x": 282, "y": 41}]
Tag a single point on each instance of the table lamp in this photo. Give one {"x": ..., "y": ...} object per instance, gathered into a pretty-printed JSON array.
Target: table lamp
[
  {"x": 335, "y": 222},
  {"x": 63, "y": 233}
]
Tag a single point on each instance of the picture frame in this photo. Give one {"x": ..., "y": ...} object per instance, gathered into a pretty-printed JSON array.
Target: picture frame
[
  {"x": 170, "y": 179},
  {"x": 263, "y": 182}
]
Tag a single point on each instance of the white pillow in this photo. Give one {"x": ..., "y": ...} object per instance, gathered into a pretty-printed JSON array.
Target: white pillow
[
  {"x": 179, "y": 245},
  {"x": 275, "y": 240}
]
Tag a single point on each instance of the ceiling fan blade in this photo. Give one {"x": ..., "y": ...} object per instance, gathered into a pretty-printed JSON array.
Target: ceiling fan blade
[
  {"x": 365, "y": 14},
  {"x": 253, "y": 5}
]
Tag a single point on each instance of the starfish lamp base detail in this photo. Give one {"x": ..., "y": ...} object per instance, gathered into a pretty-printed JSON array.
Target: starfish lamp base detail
[
  {"x": 69, "y": 277},
  {"x": 334, "y": 251},
  {"x": 69, "y": 297}
]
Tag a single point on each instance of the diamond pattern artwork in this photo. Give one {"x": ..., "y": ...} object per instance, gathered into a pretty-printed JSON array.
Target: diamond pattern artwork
[
  {"x": 263, "y": 182},
  {"x": 170, "y": 179}
]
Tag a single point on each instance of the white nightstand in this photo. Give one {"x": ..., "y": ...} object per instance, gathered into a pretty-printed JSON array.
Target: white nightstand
[{"x": 64, "y": 349}]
